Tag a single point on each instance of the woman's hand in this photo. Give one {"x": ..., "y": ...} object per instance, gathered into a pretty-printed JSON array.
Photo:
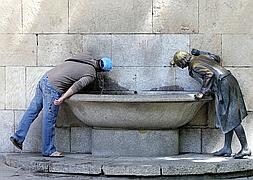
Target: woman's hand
[{"x": 199, "y": 95}]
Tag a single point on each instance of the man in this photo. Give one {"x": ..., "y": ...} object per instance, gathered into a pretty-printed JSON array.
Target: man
[
  {"x": 53, "y": 88},
  {"x": 229, "y": 104}
]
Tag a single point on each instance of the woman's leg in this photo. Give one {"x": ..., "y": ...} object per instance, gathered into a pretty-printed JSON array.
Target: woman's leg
[
  {"x": 226, "y": 150},
  {"x": 245, "y": 151}
]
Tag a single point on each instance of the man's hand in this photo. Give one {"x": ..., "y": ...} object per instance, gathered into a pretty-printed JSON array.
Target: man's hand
[
  {"x": 59, "y": 101},
  {"x": 199, "y": 96},
  {"x": 67, "y": 94}
]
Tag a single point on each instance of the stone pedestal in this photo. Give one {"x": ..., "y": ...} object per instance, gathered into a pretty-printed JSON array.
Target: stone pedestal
[{"x": 141, "y": 143}]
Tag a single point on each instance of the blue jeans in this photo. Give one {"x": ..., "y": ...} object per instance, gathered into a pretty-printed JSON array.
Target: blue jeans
[{"x": 43, "y": 99}]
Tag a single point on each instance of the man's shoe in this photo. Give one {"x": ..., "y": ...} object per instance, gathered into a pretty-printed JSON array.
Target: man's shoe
[{"x": 16, "y": 143}]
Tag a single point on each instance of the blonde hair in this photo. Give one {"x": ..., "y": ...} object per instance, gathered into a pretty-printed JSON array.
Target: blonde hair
[{"x": 179, "y": 55}]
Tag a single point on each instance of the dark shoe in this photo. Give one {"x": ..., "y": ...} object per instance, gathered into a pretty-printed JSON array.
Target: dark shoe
[
  {"x": 222, "y": 153},
  {"x": 242, "y": 153},
  {"x": 16, "y": 143}
]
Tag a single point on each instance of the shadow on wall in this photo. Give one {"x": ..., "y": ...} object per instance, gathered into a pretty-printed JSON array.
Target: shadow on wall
[
  {"x": 168, "y": 88},
  {"x": 106, "y": 83},
  {"x": 103, "y": 83},
  {"x": 67, "y": 119}
]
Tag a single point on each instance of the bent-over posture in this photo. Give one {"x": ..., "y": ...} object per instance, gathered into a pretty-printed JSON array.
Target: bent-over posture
[
  {"x": 229, "y": 103},
  {"x": 53, "y": 88}
]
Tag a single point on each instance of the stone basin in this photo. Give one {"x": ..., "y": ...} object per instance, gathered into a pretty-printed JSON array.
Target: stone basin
[
  {"x": 135, "y": 123},
  {"x": 142, "y": 110}
]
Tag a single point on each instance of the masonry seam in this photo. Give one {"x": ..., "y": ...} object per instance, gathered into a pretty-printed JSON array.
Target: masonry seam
[
  {"x": 22, "y": 17},
  {"x": 201, "y": 141},
  {"x": 70, "y": 145},
  {"x": 68, "y": 17},
  {"x": 152, "y": 6},
  {"x": 37, "y": 51},
  {"x": 198, "y": 17}
]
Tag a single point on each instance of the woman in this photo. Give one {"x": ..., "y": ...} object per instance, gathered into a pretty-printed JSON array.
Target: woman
[{"x": 229, "y": 104}]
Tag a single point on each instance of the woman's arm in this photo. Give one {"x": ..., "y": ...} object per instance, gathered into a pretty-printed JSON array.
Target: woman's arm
[
  {"x": 207, "y": 76},
  {"x": 212, "y": 56}
]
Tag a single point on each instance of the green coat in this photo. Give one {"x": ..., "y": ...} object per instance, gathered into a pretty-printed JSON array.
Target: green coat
[{"x": 229, "y": 102}]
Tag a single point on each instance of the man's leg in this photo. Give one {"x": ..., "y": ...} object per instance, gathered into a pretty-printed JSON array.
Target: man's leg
[
  {"x": 50, "y": 112},
  {"x": 29, "y": 116},
  {"x": 226, "y": 150},
  {"x": 245, "y": 151}
]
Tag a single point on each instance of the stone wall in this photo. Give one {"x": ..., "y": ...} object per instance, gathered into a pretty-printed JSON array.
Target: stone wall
[{"x": 141, "y": 36}]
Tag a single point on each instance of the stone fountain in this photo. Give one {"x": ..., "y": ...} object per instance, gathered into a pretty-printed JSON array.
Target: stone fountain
[{"x": 130, "y": 123}]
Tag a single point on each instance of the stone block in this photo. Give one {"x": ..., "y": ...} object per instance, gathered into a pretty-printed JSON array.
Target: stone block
[
  {"x": 244, "y": 77},
  {"x": 169, "y": 16},
  {"x": 10, "y": 16},
  {"x": 33, "y": 75},
  {"x": 222, "y": 16},
  {"x": 99, "y": 45},
  {"x": 190, "y": 141},
  {"x": 2, "y": 87},
  {"x": 189, "y": 167},
  {"x": 54, "y": 49},
  {"x": 146, "y": 50},
  {"x": 184, "y": 81},
  {"x": 77, "y": 167},
  {"x": 17, "y": 50},
  {"x": 122, "y": 166},
  {"x": 237, "y": 49},
  {"x": 28, "y": 163},
  {"x": 41, "y": 16},
  {"x": 6, "y": 130},
  {"x": 81, "y": 140},
  {"x": 206, "y": 42},
  {"x": 134, "y": 142},
  {"x": 62, "y": 139},
  {"x": 136, "y": 50},
  {"x": 211, "y": 114},
  {"x": 121, "y": 78},
  {"x": 172, "y": 43},
  {"x": 200, "y": 119},
  {"x": 66, "y": 118},
  {"x": 110, "y": 16},
  {"x": 213, "y": 140},
  {"x": 15, "y": 88},
  {"x": 33, "y": 140},
  {"x": 164, "y": 78},
  {"x": 248, "y": 127}
]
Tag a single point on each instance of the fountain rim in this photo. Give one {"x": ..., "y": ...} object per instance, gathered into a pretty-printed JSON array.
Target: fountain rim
[{"x": 142, "y": 96}]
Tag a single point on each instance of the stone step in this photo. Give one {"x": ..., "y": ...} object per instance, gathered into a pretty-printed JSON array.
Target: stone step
[{"x": 86, "y": 164}]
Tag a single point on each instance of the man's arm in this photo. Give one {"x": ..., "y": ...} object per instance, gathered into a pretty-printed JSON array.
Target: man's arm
[{"x": 77, "y": 86}]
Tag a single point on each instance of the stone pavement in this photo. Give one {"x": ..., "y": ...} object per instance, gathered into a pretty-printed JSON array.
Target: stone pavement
[{"x": 84, "y": 166}]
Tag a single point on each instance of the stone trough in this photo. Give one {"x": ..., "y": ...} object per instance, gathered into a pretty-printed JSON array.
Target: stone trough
[{"x": 135, "y": 124}]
